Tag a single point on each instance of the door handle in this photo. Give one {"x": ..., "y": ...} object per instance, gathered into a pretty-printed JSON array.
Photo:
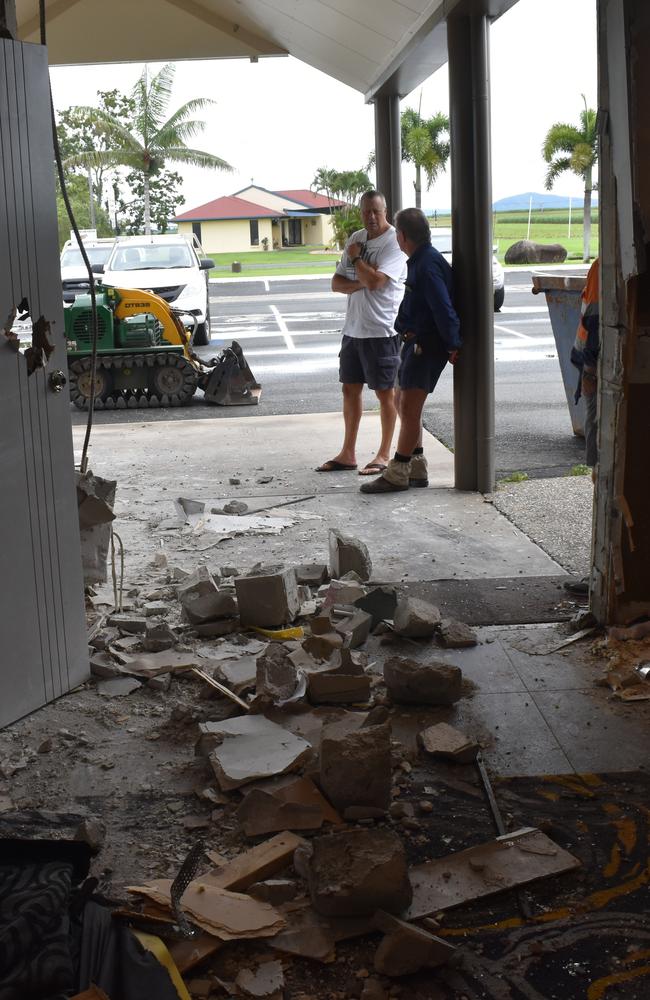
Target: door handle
[{"x": 57, "y": 381}]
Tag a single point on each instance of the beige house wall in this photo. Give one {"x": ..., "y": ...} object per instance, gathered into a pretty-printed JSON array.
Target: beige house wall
[
  {"x": 229, "y": 235},
  {"x": 267, "y": 198}
]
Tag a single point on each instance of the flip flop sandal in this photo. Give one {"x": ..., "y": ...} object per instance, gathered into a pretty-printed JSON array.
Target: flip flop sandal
[
  {"x": 334, "y": 466},
  {"x": 372, "y": 469}
]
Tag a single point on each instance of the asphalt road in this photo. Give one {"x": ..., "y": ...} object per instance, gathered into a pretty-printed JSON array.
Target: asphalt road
[{"x": 290, "y": 331}]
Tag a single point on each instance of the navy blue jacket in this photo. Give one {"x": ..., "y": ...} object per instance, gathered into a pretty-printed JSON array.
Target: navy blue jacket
[{"x": 427, "y": 307}]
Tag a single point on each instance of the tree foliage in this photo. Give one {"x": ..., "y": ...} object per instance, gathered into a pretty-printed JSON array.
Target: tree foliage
[
  {"x": 77, "y": 188},
  {"x": 574, "y": 148},
  {"x": 425, "y": 144},
  {"x": 164, "y": 194},
  {"x": 150, "y": 136},
  {"x": 346, "y": 186}
]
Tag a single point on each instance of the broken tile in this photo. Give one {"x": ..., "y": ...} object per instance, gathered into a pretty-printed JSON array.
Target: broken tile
[
  {"x": 355, "y": 767},
  {"x": 406, "y": 949},
  {"x": 239, "y": 673},
  {"x": 158, "y": 637},
  {"x": 509, "y": 861},
  {"x": 102, "y": 664},
  {"x": 348, "y": 553},
  {"x": 249, "y": 748},
  {"x": 274, "y": 890},
  {"x": 444, "y": 741},
  {"x": 415, "y": 619},
  {"x": 354, "y": 627},
  {"x": 358, "y": 872},
  {"x": 311, "y": 574},
  {"x": 116, "y": 687},
  {"x": 268, "y": 599},
  {"x": 276, "y": 675},
  {"x": 321, "y": 647},
  {"x": 156, "y": 609},
  {"x": 127, "y": 622},
  {"x": 265, "y": 981},
  {"x": 456, "y": 635},
  {"x": 151, "y": 664},
  {"x": 412, "y": 682}
]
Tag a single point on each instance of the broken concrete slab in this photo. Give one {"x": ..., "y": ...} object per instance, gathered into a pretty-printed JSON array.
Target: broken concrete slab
[
  {"x": 238, "y": 673},
  {"x": 276, "y": 675},
  {"x": 156, "y": 609},
  {"x": 214, "y": 630},
  {"x": 294, "y": 805},
  {"x": 103, "y": 639},
  {"x": 312, "y": 574},
  {"x": 202, "y": 601},
  {"x": 341, "y": 592},
  {"x": 512, "y": 860},
  {"x": 355, "y": 767},
  {"x": 411, "y": 682},
  {"x": 127, "y": 622},
  {"x": 348, "y": 553},
  {"x": 358, "y": 872},
  {"x": 258, "y": 863},
  {"x": 354, "y": 626},
  {"x": 415, "y": 619},
  {"x": 268, "y": 599},
  {"x": 456, "y": 635},
  {"x": 379, "y": 603},
  {"x": 266, "y": 981},
  {"x": 117, "y": 687},
  {"x": 168, "y": 661},
  {"x": 444, "y": 741},
  {"x": 325, "y": 688},
  {"x": 158, "y": 637},
  {"x": 248, "y": 748},
  {"x": 103, "y": 665},
  {"x": 406, "y": 949}
]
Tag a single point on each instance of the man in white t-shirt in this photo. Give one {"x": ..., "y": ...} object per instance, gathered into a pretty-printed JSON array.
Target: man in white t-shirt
[{"x": 371, "y": 273}]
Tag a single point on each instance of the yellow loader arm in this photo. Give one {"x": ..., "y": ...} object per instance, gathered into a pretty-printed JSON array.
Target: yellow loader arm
[{"x": 133, "y": 302}]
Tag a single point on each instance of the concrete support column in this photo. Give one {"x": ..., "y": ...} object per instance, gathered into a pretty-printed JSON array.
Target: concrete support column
[
  {"x": 471, "y": 215},
  {"x": 388, "y": 151}
]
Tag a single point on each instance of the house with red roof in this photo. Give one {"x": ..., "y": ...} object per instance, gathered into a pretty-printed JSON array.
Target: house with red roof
[{"x": 258, "y": 219}]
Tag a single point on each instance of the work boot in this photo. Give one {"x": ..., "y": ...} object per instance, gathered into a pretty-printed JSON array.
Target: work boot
[
  {"x": 419, "y": 471},
  {"x": 393, "y": 479}
]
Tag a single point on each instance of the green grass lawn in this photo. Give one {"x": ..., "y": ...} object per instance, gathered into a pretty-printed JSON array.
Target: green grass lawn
[{"x": 509, "y": 227}]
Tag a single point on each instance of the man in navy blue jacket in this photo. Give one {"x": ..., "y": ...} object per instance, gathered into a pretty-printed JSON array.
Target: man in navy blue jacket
[{"x": 430, "y": 330}]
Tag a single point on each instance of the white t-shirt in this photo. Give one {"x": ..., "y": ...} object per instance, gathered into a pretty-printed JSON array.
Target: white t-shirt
[{"x": 372, "y": 313}]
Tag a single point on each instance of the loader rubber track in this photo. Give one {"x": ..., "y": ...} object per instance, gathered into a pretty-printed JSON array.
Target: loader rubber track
[{"x": 156, "y": 379}]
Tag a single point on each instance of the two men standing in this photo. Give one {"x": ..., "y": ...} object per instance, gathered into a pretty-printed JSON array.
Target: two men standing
[
  {"x": 371, "y": 273},
  {"x": 389, "y": 329}
]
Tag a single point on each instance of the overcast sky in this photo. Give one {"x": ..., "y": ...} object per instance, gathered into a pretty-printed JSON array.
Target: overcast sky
[{"x": 277, "y": 121}]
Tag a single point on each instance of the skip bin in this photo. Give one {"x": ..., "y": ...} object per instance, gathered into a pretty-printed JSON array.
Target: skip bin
[{"x": 563, "y": 293}]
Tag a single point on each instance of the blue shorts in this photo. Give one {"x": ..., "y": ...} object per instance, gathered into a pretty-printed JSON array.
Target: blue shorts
[
  {"x": 370, "y": 360},
  {"x": 421, "y": 371}
]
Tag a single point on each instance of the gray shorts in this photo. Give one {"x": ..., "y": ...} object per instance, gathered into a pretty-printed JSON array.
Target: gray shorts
[{"x": 370, "y": 360}]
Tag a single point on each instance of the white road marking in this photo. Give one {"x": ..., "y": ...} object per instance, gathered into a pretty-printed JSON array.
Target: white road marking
[
  {"x": 267, "y": 287},
  {"x": 524, "y": 309},
  {"x": 284, "y": 329},
  {"x": 275, "y": 297},
  {"x": 514, "y": 333}
]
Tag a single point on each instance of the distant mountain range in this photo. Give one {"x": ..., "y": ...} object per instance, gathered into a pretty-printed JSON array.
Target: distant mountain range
[{"x": 521, "y": 202}]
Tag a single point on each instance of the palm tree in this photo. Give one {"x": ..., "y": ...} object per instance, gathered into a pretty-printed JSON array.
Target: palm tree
[
  {"x": 152, "y": 138},
  {"x": 323, "y": 182},
  {"x": 423, "y": 146},
  {"x": 567, "y": 147}
]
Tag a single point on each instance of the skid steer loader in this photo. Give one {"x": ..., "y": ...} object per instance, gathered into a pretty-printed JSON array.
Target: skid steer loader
[{"x": 144, "y": 356}]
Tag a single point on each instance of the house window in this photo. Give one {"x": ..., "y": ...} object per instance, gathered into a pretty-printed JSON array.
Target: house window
[
  {"x": 255, "y": 233},
  {"x": 196, "y": 230}
]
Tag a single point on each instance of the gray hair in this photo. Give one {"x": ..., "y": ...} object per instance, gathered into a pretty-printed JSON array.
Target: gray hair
[
  {"x": 368, "y": 195},
  {"x": 414, "y": 225}
]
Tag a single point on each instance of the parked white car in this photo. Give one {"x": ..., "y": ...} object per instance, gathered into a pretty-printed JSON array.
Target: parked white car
[
  {"x": 441, "y": 240},
  {"x": 74, "y": 276},
  {"x": 169, "y": 266}
]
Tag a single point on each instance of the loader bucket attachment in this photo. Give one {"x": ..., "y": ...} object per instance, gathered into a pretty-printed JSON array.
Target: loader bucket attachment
[{"x": 231, "y": 382}]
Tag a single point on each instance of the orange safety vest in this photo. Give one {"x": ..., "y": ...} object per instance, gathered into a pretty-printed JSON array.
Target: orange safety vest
[{"x": 590, "y": 295}]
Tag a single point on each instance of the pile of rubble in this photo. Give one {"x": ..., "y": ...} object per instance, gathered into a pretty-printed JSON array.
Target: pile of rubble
[{"x": 324, "y": 790}]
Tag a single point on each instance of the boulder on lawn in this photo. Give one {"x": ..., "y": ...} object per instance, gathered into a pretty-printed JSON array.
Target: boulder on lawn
[{"x": 528, "y": 252}]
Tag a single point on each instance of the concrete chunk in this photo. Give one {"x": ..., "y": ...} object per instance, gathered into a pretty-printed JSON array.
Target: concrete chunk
[
  {"x": 415, "y": 619},
  {"x": 355, "y": 767},
  {"x": 406, "y": 948},
  {"x": 276, "y": 675},
  {"x": 158, "y": 637},
  {"x": 127, "y": 622},
  {"x": 312, "y": 574},
  {"x": 412, "y": 683},
  {"x": 348, "y": 553},
  {"x": 268, "y": 599},
  {"x": 358, "y": 872},
  {"x": 323, "y": 647},
  {"x": 456, "y": 635},
  {"x": 337, "y": 688},
  {"x": 202, "y": 601},
  {"x": 354, "y": 627},
  {"x": 444, "y": 741},
  {"x": 380, "y": 603}
]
